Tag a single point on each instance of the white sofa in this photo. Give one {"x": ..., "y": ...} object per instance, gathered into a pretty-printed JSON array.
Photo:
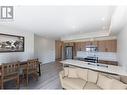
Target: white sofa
[{"x": 78, "y": 78}]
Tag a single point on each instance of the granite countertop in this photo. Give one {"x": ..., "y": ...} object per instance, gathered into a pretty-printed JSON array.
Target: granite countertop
[{"x": 97, "y": 66}]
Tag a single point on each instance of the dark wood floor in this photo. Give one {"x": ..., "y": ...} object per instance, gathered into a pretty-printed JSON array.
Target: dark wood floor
[{"x": 48, "y": 80}]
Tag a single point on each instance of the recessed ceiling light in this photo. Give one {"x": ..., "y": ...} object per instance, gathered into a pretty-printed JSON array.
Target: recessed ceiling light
[
  {"x": 73, "y": 27},
  {"x": 103, "y": 19}
]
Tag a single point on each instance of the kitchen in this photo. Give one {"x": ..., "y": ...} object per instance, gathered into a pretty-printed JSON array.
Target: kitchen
[{"x": 95, "y": 50}]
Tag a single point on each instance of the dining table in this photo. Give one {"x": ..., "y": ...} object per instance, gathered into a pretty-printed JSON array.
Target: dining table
[{"x": 23, "y": 65}]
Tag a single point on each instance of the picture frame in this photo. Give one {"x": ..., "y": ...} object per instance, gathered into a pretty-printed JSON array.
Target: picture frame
[{"x": 11, "y": 43}]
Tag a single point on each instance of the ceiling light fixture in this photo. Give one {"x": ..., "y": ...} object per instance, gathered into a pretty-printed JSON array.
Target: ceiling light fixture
[
  {"x": 107, "y": 24},
  {"x": 103, "y": 19}
]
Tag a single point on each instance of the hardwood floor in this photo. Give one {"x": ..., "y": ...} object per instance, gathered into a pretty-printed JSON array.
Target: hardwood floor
[{"x": 48, "y": 80}]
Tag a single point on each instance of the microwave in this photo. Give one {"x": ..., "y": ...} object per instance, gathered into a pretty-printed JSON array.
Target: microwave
[{"x": 91, "y": 49}]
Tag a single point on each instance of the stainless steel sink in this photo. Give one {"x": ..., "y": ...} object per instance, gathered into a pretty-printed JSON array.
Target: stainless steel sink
[{"x": 97, "y": 64}]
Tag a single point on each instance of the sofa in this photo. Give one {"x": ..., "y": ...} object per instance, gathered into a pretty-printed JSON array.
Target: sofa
[{"x": 81, "y": 79}]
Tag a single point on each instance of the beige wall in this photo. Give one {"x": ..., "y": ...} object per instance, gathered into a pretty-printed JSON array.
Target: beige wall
[
  {"x": 18, "y": 56},
  {"x": 44, "y": 49},
  {"x": 122, "y": 48}
]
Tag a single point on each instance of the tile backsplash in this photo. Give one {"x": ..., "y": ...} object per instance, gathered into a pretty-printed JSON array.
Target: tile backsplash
[{"x": 109, "y": 56}]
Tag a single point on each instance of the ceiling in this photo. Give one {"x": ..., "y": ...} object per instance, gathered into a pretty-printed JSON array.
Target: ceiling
[{"x": 59, "y": 21}]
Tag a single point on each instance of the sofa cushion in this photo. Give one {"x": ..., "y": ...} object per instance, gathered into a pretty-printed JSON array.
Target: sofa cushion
[
  {"x": 123, "y": 79},
  {"x": 91, "y": 85},
  {"x": 92, "y": 76},
  {"x": 74, "y": 83},
  {"x": 116, "y": 84},
  {"x": 66, "y": 71},
  {"x": 104, "y": 82},
  {"x": 72, "y": 73},
  {"x": 82, "y": 73}
]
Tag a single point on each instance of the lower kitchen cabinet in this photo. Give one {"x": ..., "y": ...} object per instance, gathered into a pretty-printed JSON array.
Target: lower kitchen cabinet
[{"x": 108, "y": 62}]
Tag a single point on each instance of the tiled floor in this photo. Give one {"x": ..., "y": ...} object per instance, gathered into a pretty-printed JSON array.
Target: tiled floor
[{"x": 48, "y": 80}]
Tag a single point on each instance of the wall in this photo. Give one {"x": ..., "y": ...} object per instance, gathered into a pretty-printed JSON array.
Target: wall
[
  {"x": 44, "y": 49},
  {"x": 109, "y": 56},
  {"x": 18, "y": 56},
  {"x": 122, "y": 48}
]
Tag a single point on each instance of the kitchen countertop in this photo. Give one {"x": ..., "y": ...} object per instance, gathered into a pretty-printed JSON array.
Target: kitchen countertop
[{"x": 104, "y": 68}]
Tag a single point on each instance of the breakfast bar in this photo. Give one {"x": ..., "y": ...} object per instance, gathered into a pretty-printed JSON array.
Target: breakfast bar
[{"x": 118, "y": 70}]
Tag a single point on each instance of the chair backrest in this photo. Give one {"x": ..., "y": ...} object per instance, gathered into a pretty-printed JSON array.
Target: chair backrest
[
  {"x": 10, "y": 69},
  {"x": 32, "y": 64}
]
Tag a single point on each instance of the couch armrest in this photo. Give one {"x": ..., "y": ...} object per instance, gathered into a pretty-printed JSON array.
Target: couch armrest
[{"x": 61, "y": 75}]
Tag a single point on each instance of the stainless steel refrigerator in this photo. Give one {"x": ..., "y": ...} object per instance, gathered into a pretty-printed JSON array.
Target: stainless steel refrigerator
[{"x": 68, "y": 52}]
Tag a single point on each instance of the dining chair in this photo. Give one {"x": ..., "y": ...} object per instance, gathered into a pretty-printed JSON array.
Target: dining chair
[
  {"x": 9, "y": 71},
  {"x": 31, "y": 69}
]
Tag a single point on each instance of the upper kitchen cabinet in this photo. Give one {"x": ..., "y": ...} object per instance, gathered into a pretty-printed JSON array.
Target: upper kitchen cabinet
[
  {"x": 87, "y": 43},
  {"x": 83, "y": 45},
  {"x": 78, "y": 46},
  {"x": 69, "y": 44},
  {"x": 111, "y": 46},
  {"x": 95, "y": 43},
  {"x": 101, "y": 46},
  {"x": 107, "y": 46}
]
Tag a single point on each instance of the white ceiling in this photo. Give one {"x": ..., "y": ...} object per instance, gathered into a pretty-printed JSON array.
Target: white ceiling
[{"x": 58, "y": 21}]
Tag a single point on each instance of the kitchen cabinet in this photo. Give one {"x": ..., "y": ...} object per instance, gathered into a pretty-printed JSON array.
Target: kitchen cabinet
[
  {"x": 58, "y": 50},
  {"x": 69, "y": 44},
  {"x": 78, "y": 46},
  {"x": 107, "y": 46},
  {"x": 108, "y": 62},
  {"x": 102, "y": 45},
  {"x": 111, "y": 46},
  {"x": 83, "y": 46},
  {"x": 87, "y": 43},
  {"x": 95, "y": 43}
]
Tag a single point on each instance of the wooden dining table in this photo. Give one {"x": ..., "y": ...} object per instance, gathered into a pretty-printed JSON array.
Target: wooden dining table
[{"x": 23, "y": 65}]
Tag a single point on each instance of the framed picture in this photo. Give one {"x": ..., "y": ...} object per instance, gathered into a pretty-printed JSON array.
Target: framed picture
[{"x": 11, "y": 43}]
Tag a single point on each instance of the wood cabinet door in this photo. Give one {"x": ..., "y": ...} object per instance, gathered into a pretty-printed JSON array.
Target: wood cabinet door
[
  {"x": 78, "y": 46},
  {"x": 83, "y": 46},
  {"x": 69, "y": 44},
  {"x": 107, "y": 46},
  {"x": 95, "y": 43},
  {"x": 88, "y": 43},
  {"x": 102, "y": 46},
  {"x": 111, "y": 45}
]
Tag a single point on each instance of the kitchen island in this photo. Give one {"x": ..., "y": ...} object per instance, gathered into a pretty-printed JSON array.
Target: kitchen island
[{"x": 118, "y": 70}]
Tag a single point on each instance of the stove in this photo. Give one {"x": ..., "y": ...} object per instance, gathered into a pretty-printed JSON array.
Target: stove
[{"x": 91, "y": 59}]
